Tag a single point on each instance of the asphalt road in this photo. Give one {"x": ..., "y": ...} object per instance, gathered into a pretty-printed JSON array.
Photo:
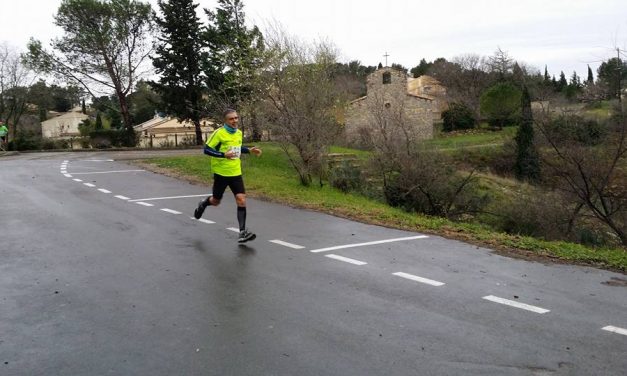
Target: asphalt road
[{"x": 96, "y": 278}]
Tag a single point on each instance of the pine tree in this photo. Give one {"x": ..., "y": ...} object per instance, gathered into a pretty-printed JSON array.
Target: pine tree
[
  {"x": 98, "y": 121},
  {"x": 562, "y": 83},
  {"x": 83, "y": 107},
  {"x": 179, "y": 54},
  {"x": 380, "y": 66},
  {"x": 527, "y": 165},
  {"x": 237, "y": 53},
  {"x": 590, "y": 79},
  {"x": 547, "y": 78}
]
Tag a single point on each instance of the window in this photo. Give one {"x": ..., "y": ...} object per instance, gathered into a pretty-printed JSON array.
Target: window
[{"x": 387, "y": 78}]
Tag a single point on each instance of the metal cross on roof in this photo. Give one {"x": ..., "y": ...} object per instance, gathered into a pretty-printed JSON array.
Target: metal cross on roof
[{"x": 386, "y": 58}]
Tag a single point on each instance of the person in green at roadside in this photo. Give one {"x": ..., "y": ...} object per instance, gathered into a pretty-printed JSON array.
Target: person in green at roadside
[
  {"x": 4, "y": 131},
  {"x": 225, "y": 148}
]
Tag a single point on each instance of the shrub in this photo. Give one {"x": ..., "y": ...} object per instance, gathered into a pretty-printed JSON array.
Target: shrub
[
  {"x": 458, "y": 116},
  {"x": 346, "y": 177}
]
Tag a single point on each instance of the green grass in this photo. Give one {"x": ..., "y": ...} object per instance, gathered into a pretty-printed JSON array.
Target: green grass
[
  {"x": 272, "y": 178},
  {"x": 474, "y": 138}
]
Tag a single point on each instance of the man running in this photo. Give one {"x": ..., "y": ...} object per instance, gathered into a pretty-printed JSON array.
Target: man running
[{"x": 225, "y": 146}]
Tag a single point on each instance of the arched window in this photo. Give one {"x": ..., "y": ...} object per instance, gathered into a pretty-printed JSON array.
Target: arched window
[{"x": 387, "y": 78}]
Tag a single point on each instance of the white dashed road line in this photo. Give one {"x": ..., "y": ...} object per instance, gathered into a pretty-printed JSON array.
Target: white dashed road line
[
  {"x": 203, "y": 220},
  {"x": 346, "y": 259},
  {"x": 368, "y": 243},
  {"x": 105, "y": 172},
  {"x": 286, "y": 244},
  {"x": 104, "y": 190},
  {"x": 171, "y": 211},
  {"x": 89, "y": 185},
  {"x": 233, "y": 229},
  {"x": 144, "y": 204},
  {"x": 67, "y": 175},
  {"x": 167, "y": 198},
  {"x": 512, "y": 303},
  {"x": 418, "y": 279},
  {"x": 78, "y": 180},
  {"x": 615, "y": 329},
  {"x": 122, "y": 197}
]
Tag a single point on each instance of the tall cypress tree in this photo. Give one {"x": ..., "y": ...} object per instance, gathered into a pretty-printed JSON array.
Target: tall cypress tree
[
  {"x": 590, "y": 79},
  {"x": 527, "y": 165},
  {"x": 547, "y": 78},
  {"x": 562, "y": 83},
  {"x": 179, "y": 54}
]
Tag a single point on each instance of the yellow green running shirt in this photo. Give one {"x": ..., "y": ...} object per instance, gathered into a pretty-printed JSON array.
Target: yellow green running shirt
[{"x": 222, "y": 141}]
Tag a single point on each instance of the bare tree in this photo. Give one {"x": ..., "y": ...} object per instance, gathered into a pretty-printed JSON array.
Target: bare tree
[
  {"x": 15, "y": 79},
  {"x": 301, "y": 100},
  {"x": 590, "y": 171},
  {"x": 415, "y": 177}
]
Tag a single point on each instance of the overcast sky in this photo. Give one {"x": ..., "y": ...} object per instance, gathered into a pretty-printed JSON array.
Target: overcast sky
[{"x": 563, "y": 34}]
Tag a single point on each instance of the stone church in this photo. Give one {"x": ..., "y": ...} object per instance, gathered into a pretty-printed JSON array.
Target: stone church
[{"x": 390, "y": 102}]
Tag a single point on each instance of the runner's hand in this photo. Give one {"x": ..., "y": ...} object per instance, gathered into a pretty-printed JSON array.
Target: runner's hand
[{"x": 255, "y": 150}]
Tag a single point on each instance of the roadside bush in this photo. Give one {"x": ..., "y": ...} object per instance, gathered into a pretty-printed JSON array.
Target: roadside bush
[
  {"x": 346, "y": 177},
  {"x": 458, "y": 116},
  {"x": 106, "y": 138},
  {"x": 25, "y": 140},
  {"x": 430, "y": 184}
]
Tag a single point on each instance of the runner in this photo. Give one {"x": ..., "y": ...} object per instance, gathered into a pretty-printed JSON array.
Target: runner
[
  {"x": 225, "y": 148},
  {"x": 4, "y": 131}
]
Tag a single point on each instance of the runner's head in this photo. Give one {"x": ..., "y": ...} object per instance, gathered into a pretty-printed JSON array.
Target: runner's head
[{"x": 231, "y": 118}]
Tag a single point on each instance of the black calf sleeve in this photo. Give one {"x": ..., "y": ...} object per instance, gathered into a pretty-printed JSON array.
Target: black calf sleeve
[{"x": 241, "y": 217}]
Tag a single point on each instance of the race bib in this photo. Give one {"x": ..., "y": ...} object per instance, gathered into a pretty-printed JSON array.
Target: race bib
[{"x": 237, "y": 150}]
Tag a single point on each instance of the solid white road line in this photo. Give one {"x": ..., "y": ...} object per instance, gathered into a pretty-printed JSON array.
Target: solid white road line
[
  {"x": 122, "y": 197},
  {"x": 144, "y": 204},
  {"x": 286, "y": 244},
  {"x": 89, "y": 185},
  {"x": 105, "y": 172},
  {"x": 203, "y": 220},
  {"x": 418, "y": 279},
  {"x": 67, "y": 175},
  {"x": 78, "y": 180},
  {"x": 104, "y": 190},
  {"x": 233, "y": 229},
  {"x": 512, "y": 303},
  {"x": 615, "y": 329},
  {"x": 368, "y": 243},
  {"x": 346, "y": 259},
  {"x": 167, "y": 198},
  {"x": 171, "y": 211}
]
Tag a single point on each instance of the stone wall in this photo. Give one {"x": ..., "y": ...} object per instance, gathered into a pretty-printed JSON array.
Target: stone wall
[{"x": 389, "y": 106}]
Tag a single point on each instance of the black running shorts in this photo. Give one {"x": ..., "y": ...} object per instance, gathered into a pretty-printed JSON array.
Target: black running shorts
[{"x": 236, "y": 183}]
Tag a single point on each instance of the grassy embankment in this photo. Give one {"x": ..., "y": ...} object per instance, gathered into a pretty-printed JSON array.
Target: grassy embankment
[{"x": 272, "y": 178}]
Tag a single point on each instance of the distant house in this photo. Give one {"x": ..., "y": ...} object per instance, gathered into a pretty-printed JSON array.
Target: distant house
[
  {"x": 427, "y": 86},
  {"x": 63, "y": 126},
  {"x": 168, "y": 131}
]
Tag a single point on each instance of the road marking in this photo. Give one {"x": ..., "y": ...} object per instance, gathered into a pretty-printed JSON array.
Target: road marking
[
  {"x": 78, "y": 180},
  {"x": 286, "y": 244},
  {"x": 512, "y": 303},
  {"x": 96, "y": 160},
  {"x": 67, "y": 175},
  {"x": 202, "y": 220},
  {"x": 167, "y": 198},
  {"x": 66, "y": 161},
  {"x": 233, "y": 229},
  {"x": 615, "y": 329},
  {"x": 105, "y": 172},
  {"x": 418, "y": 279},
  {"x": 346, "y": 259},
  {"x": 122, "y": 197},
  {"x": 368, "y": 243},
  {"x": 144, "y": 204},
  {"x": 104, "y": 190},
  {"x": 89, "y": 185},
  {"x": 171, "y": 211}
]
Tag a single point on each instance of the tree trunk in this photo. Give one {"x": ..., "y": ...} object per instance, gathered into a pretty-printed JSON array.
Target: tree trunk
[
  {"x": 199, "y": 140},
  {"x": 124, "y": 111}
]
